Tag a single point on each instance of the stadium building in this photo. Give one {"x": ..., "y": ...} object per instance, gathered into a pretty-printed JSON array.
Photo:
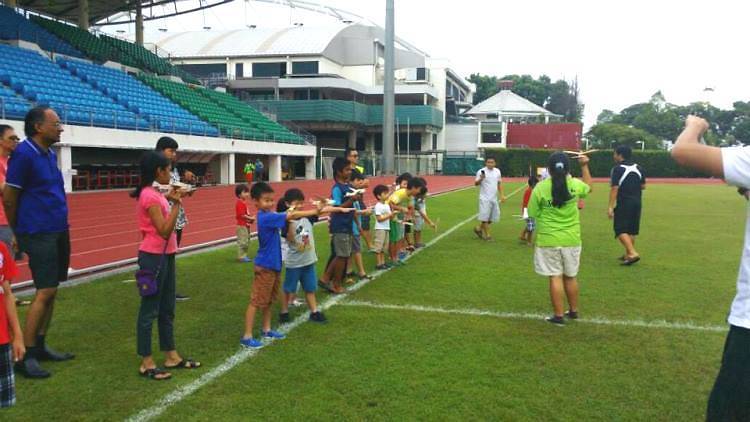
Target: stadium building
[
  {"x": 328, "y": 81},
  {"x": 117, "y": 98}
]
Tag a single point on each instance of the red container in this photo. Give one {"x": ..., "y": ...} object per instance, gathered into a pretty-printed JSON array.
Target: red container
[{"x": 562, "y": 136}]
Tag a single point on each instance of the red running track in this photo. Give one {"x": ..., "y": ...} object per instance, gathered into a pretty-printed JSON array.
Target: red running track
[{"x": 103, "y": 228}]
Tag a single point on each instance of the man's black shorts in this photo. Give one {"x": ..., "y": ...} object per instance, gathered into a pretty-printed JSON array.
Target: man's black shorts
[
  {"x": 627, "y": 218},
  {"x": 49, "y": 257}
]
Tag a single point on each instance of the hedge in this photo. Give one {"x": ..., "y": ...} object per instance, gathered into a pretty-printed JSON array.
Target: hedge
[{"x": 516, "y": 162}]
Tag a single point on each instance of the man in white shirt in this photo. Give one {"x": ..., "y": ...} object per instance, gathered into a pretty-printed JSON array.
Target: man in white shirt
[
  {"x": 489, "y": 180},
  {"x": 730, "y": 397}
]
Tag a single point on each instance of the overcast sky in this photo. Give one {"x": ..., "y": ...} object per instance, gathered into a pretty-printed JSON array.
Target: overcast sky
[{"x": 621, "y": 52}]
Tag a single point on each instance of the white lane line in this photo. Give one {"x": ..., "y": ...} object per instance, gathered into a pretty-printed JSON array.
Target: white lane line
[
  {"x": 244, "y": 354},
  {"x": 532, "y": 316}
]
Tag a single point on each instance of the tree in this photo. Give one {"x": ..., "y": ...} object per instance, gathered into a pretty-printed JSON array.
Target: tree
[
  {"x": 486, "y": 86},
  {"x": 606, "y": 116},
  {"x": 606, "y": 135}
]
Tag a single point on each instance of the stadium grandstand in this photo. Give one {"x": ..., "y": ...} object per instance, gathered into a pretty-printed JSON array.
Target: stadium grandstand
[{"x": 117, "y": 97}]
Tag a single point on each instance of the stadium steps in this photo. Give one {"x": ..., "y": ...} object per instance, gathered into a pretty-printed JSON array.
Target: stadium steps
[
  {"x": 271, "y": 130},
  {"x": 194, "y": 100},
  {"x": 134, "y": 95},
  {"x": 40, "y": 81},
  {"x": 14, "y": 26}
]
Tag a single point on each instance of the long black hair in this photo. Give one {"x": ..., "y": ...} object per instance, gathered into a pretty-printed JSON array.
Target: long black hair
[
  {"x": 150, "y": 162},
  {"x": 559, "y": 167}
]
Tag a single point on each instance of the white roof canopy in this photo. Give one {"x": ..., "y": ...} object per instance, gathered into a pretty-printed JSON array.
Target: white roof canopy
[{"x": 507, "y": 103}]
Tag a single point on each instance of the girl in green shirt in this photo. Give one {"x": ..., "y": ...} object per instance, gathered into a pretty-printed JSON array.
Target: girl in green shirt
[{"x": 554, "y": 205}]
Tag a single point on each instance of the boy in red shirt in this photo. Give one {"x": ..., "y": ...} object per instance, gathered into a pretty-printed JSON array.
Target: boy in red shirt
[
  {"x": 244, "y": 220},
  {"x": 12, "y": 348},
  {"x": 528, "y": 230}
]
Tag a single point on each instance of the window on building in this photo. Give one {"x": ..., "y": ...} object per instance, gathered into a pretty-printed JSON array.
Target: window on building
[
  {"x": 269, "y": 70},
  {"x": 421, "y": 74},
  {"x": 434, "y": 142},
  {"x": 239, "y": 70},
  {"x": 306, "y": 94},
  {"x": 205, "y": 70},
  {"x": 305, "y": 68}
]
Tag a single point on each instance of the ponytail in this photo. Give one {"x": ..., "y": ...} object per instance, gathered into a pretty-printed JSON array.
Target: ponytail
[
  {"x": 559, "y": 167},
  {"x": 151, "y": 161}
]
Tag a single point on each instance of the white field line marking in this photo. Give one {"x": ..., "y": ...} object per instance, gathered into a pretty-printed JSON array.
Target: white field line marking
[
  {"x": 244, "y": 354},
  {"x": 532, "y": 316}
]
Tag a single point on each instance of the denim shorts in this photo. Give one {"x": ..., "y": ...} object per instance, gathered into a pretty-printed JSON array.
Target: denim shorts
[{"x": 304, "y": 275}]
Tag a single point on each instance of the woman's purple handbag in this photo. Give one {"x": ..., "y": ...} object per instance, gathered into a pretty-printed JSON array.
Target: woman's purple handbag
[{"x": 148, "y": 280}]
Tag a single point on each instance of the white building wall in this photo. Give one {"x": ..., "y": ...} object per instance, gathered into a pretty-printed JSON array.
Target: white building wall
[
  {"x": 364, "y": 75},
  {"x": 462, "y": 137}
]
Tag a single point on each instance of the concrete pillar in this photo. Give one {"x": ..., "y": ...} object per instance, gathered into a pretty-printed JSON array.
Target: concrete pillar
[
  {"x": 65, "y": 162},
  {"x": 274, "y": 168},
  {"x": 139, "y": 24},
  {"x": 227, "y": 169},
  {"x": 352, "y": 143},
  {"x": 310, "y": 168},
  {"x": 83, "y": 14}
]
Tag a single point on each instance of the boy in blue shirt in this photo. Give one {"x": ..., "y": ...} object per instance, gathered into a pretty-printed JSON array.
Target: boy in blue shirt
[
  {"x": 341, "y": 225},
  {"x": 267, "y": 262}
]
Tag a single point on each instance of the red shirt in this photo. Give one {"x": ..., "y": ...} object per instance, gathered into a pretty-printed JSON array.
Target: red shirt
[
  {"x": 241, "y": 210},
  {"x": 526, "y": 197},
  {"x": 8, "y": 271}
]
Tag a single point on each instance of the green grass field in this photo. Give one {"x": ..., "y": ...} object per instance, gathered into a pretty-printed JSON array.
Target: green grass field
[{"x": 414, "y": 344}]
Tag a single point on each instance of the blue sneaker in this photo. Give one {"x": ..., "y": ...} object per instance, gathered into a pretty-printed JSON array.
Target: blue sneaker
[
  {"x": 251, "y": 343},
  {"x": 273, "y": 334},
  {"x": 401, "y": 256}
]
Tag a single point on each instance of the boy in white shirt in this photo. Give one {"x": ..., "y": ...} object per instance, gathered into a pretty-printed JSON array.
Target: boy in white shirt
[
  {"x": 489, "y": 180},
  {"x": 383, "y": 217},
  {"x": 730, "y": 397}
]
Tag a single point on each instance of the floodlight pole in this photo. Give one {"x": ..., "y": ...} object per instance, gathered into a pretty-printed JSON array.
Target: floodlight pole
[
  {"x": 138, "y": 24},
  {"x": 388, "y": 89}
]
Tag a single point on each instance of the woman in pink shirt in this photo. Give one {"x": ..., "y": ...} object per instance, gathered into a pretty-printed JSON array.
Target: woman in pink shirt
[{"x": 157, "y": 251}]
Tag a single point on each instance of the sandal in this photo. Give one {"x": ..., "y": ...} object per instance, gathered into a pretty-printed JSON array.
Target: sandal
[
  {"x": 630, "y": 261},
  {"x": 156, "y": 374},
  {"x": 365, "y": 277},
  {"x": 325, "y": 286},
  {"x": 185, "y": 364}
]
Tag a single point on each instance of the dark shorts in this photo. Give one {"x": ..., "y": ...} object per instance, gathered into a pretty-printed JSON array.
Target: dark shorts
[
  {"x": 730, "y": 397},
  {"x": 7, "y": 379},
  {"x": 365, "y": 223},
  {"x": 49, "y": 257},
  {"x": 627, "y": 218}
]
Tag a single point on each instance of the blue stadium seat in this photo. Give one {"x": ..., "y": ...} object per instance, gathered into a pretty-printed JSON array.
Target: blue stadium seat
[
  {"x": 38, "y": 79},
  {"x": 13, "y": 26},
  {"x": 133, "y": 95}
]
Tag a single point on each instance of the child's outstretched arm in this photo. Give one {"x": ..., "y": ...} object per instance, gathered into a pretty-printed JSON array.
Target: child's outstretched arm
[
  {"x": 19, "y": 349},
  {"x": 426, "y": 218},
  {"x": 332, "y": 209}
]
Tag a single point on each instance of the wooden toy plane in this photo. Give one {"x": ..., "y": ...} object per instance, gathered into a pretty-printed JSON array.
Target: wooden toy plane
[{"x": 577, "y": 154}]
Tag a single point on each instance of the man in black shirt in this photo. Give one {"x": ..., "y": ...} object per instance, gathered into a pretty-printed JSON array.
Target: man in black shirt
[{"x": 628, "y": 182}]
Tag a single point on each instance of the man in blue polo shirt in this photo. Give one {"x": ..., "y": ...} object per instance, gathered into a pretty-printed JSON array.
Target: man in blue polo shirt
[{"x": 37, "y": 211}]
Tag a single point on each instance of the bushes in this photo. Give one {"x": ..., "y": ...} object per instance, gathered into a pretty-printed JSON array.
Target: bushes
[{"x": 516, "y": 162}]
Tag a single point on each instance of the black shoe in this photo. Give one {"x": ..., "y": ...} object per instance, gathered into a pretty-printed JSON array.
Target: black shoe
[
  {"x": 181, "y": 298},
  {"x": 284, "y": 318},
  {"x": 30, "y": 368},
  {"x": 571, "y": 314},
  {"x": 51, "y": 355},
  {"x": 318, "y": 317},
  {"x": 557, "y": 320}
]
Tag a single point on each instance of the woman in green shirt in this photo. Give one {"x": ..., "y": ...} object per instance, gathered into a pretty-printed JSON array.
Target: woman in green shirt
[{"x": 554, "y": 205}]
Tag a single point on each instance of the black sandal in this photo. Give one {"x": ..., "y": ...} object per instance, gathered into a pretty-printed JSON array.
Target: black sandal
[
  {"x": 154, "y": 373},
  {"x": 630, "y": 261},
  {"x": 185, "y": 364}
]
